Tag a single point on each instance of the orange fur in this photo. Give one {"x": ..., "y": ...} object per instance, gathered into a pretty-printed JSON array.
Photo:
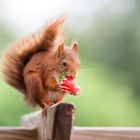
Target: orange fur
[
  {"x": 21, "y": 52},
  {"x": 33, "y": 65}
]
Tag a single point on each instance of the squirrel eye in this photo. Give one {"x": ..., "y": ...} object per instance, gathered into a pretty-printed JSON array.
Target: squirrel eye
[{"x": 64, "y": 64}]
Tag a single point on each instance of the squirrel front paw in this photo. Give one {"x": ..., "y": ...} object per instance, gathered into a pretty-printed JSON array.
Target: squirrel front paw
[{"x": 63, "y": 88}]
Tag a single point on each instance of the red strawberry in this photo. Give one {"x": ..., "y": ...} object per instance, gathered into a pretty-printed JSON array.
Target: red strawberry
[{"x": 71, "y": 86}]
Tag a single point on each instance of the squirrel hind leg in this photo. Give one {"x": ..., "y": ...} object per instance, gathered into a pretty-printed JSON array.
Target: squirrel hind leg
[{"x": 34, "y": 88}]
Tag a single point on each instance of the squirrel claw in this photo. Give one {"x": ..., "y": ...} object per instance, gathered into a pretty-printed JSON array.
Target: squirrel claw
[
  {"x": 44, "y": 111},
  {"x": 45, "y": 108},
  {"x": 63, "y": 88},
  {"x": 65, "y": 91}
]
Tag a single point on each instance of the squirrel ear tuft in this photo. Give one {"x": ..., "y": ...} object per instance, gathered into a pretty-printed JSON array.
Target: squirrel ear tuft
[
  {"x": 61, "y": 49},
  {"x": 75, "y": 47}
]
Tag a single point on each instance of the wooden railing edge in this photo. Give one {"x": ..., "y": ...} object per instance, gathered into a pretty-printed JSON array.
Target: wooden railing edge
[{"x": 59, "y": 118}]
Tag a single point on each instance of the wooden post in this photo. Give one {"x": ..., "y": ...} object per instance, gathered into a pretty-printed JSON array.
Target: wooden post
[
  {"x": 63, "y": 122},
  {"x": 56, "y": 126}
]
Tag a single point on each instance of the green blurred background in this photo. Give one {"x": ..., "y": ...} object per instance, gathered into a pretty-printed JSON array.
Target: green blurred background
[{"x": 109, "y": 36}]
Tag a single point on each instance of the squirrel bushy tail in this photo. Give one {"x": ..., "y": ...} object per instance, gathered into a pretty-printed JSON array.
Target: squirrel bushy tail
[{"x": 21, "y": 52}]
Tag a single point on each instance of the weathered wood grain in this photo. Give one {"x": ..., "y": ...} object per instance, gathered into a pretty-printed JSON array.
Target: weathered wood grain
[
  {"x": 63, "y": 122},
  {"x": 78, "y": 133},
  {"x": 17, "y": 133},
  {"x": 56, "y": 126},
  {"x": 43, "y": 124},
  {"x": 105, "y": 133}
]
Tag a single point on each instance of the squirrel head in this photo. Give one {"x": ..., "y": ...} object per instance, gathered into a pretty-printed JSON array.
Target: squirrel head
[{"x": 67, "y": 59}]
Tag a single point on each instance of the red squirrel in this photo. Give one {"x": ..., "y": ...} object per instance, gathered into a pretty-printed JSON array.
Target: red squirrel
[{"x": 33, "y": 65}]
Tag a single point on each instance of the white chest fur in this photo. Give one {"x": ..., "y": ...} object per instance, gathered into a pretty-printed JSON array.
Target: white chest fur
[{"x": 53, "y": 96}]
